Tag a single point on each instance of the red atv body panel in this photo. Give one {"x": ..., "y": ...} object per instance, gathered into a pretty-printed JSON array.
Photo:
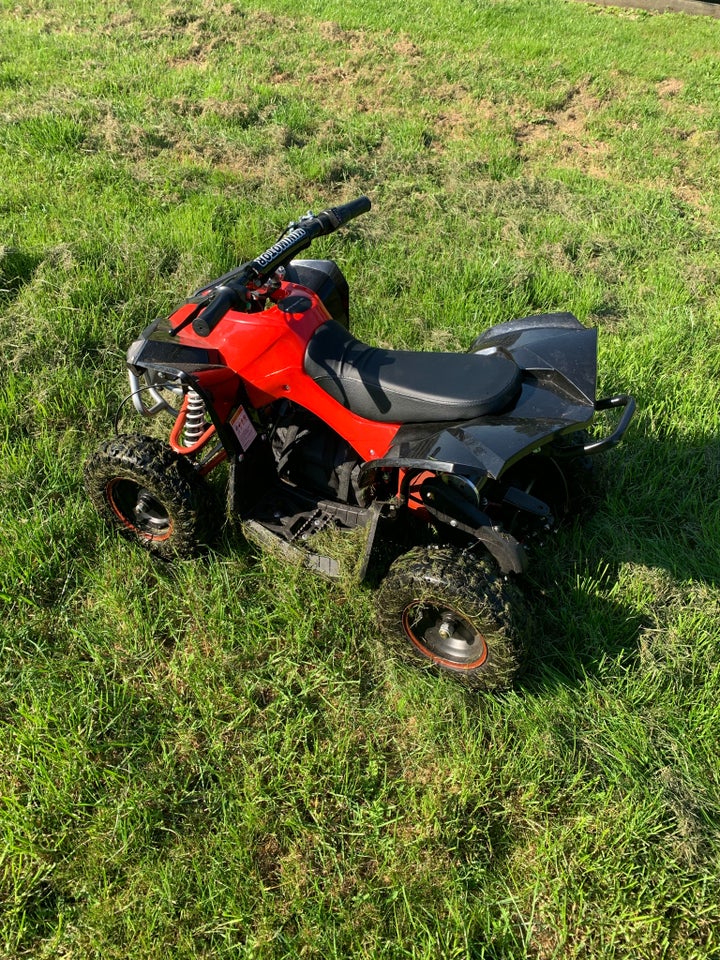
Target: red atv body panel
[{"x": 267, "y": 349}]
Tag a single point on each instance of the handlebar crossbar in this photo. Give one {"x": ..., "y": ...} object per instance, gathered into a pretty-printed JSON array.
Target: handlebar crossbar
[{"x": 231, "y": 290}]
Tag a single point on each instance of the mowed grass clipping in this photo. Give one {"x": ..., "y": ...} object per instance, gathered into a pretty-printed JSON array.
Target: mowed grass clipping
[{"x": 217, "y": 758}]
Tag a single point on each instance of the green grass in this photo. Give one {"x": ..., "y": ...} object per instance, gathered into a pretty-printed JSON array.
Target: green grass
[{"x": 217, "y": 759}]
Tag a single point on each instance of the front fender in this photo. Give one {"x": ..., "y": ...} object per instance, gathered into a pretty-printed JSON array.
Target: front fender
[{"x": 156, "y": 351}]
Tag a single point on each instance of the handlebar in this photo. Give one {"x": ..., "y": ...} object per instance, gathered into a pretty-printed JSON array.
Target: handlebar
[
  {"x": 225, "y": 298},
  {"x": 337, "y": 217},
  {"x": 298, "y": 236}
]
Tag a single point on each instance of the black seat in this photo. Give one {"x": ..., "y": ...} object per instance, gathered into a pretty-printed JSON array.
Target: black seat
[{"x": 403, "y": 386}]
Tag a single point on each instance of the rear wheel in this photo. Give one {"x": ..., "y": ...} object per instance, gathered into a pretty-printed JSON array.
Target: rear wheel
[
  {"x": 443, "y": 609},
  {"x": 559, "y": 476},
  {"x": 151, "y": 495},
  {"x": 579, "y": 472}
]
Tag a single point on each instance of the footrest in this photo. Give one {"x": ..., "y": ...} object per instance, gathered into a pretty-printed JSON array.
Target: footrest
[{"x": 267, "y": 540}]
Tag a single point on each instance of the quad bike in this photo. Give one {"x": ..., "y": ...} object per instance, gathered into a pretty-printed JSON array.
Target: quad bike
[{"x": 441, "y": 469}]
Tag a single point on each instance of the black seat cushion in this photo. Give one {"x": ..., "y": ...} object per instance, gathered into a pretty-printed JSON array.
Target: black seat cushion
[{"x": 403, "y": 386}]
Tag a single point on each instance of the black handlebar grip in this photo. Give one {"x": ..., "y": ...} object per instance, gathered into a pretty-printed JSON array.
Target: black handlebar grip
[
  {"x": 210, "y": 317},
  {"x": 331, "y": 220},
  {"x": 348, "y": 211}
]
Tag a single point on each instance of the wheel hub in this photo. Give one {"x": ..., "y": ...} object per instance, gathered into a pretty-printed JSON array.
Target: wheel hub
[
  {"x": 447, "y": 627},
  {"x": 444, "y": 635},
  {"x": 138, "y": 509},
  {"x": 149, "y": 512}
]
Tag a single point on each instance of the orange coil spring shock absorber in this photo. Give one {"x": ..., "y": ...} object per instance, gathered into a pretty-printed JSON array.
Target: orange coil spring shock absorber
[
  {"x": 191, "y": 426},
  {"x": 195, "y": 425}
]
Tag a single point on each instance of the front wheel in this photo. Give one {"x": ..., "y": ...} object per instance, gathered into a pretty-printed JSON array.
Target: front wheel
[
  {"x": 151, "y": 495},
  {"x": 451, "y": 611}
]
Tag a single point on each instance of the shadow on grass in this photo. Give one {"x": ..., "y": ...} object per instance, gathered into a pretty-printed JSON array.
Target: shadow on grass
[
  {"x": 17, "y": 268},
  {"x": 654, "y": 529},
  {"x": 575, "y": 630}
]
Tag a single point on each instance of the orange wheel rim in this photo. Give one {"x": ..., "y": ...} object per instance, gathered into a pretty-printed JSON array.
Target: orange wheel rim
[
  {"x": 444, "y": 635},
  {"x": 138, "y": 509}
]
